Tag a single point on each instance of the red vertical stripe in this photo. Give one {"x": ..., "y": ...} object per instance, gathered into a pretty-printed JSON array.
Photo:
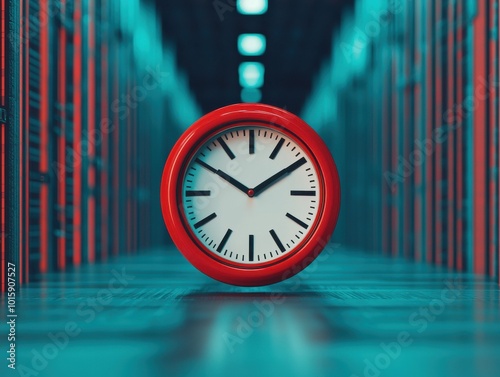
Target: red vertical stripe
[
  {"x": 492, "y": 147},
  {"x": 61, "y": 199},
  {"x": 417, "y": 114},
  {"x": 438, "y": 154},
  {"x": 104, "y": 152},
  {"x": 61, "y": 145},
  {"x": 479, "y": 137},
  {"x": 451, "y": 136},
  {"x": 23, "y": 135},
  {"x": 394, "y": 155},
  {"x": 386, "y": 190},
  {"x": 3, "y": 16},
  {"x": 44, "y": 135},
  {"x": 105, "y": 155},
  {"x": 429, "y": 165},
  {"x": 77, "y": 133},
  {"x": 91, "y": 230},
  {"x": 408, "y": 231},
  {"x": 91, "y": 225},
  {"x": 459, "y": 141},
  {"x": 116, "y": 164}
]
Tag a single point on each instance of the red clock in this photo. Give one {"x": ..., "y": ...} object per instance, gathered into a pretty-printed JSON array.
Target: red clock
[{"x": 250, "y": 194}]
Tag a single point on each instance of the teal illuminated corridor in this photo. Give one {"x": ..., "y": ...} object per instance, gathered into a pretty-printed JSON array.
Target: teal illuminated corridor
[
  {"x": 153, "y": 150},
  {"x": 352, "y": 314}
]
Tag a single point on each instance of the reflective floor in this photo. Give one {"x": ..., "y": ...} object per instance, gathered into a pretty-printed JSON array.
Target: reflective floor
[{"x": 352, "y": 314}]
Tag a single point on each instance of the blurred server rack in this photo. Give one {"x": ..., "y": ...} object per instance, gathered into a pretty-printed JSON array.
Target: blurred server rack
[
  {"x": 90, "y": 107},
  {"x": 428, "y": 146}
]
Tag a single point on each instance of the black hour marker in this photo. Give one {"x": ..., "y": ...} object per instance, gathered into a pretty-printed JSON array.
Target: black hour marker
[
  {"x": 226, "y": 148},
  {"x": 250, "y": 247},
  {"x": 251, "y": 142},
  {"x": 302, "y": 193},
  {"x": 205, "y": 220},
  {"x": 198, "y": 193},
  {"x": 224, "y": 240},
  {"x": 301, "y": 223},
  {"x": 277, "y": 149},
  {"x": 277, "y": 240}
]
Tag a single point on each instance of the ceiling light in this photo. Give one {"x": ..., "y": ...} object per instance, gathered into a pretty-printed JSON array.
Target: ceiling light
[
  {"x": 251, "y": 44},
  {"x": 252, "y": 7},
  {"x": 251, "y": 74}
]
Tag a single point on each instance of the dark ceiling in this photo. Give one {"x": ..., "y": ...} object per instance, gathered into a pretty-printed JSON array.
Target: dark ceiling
[{"x": 298, "y": 36}]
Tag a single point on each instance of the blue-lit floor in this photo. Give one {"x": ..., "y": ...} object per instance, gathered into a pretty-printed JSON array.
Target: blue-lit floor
[{"x": 166, "y": 319}]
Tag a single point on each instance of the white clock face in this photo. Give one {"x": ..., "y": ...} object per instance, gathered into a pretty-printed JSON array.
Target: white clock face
[{"x": 251, "y": 195}]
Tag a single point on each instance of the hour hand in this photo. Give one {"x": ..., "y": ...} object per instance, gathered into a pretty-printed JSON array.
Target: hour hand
[
  {"x": 240, "y": 186},
  {"x": 276, "y": 177},
  {"x": 234, "y": 182}
]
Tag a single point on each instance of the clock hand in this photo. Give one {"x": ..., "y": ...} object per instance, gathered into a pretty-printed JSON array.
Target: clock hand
[
  {"x": 276, "y": 177},
  {"x": 240, "y": 186},
  {"x": 234, "y": 182}
]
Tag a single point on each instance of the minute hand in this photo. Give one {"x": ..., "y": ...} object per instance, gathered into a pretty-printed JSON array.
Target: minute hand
[{"x": 276, "y": 177}]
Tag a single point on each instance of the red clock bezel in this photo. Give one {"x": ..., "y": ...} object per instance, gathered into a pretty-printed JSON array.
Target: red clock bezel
[{"x": 171, "y": 194}]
